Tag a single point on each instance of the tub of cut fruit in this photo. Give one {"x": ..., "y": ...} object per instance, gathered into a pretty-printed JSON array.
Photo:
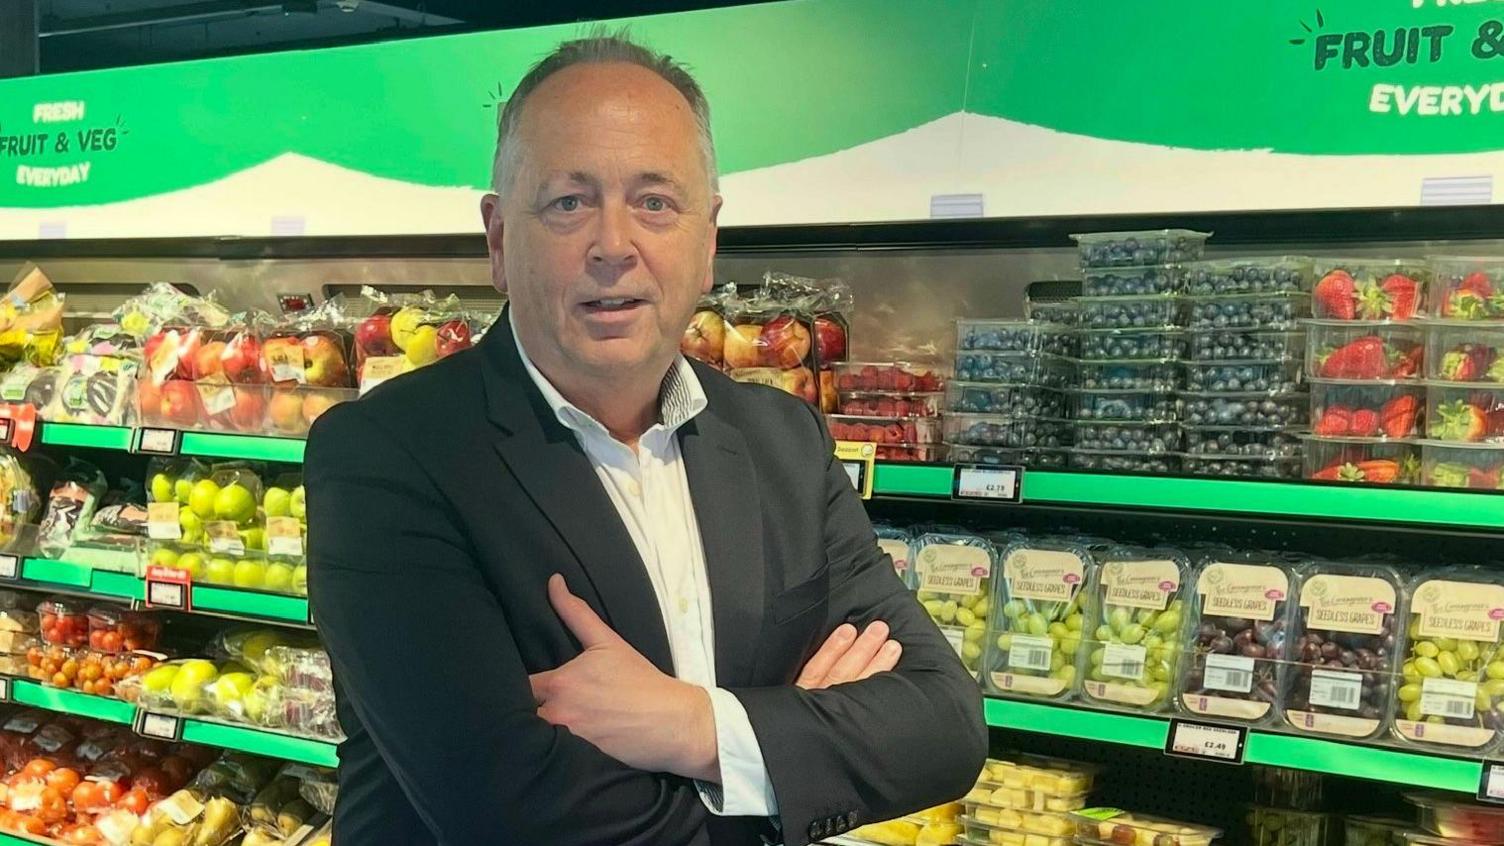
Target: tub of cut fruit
[{"x": 1116, "y": 827}]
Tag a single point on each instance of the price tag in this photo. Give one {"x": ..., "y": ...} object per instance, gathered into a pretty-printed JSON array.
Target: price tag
[
  {"x": 284, "y": 537},
  {"x": 294, "y": 303},
  {"x": 10, "y": 567},
  {"x": 168, "y": 588},
  {"x": 162, "y": 521},
  {"x": 1206, "y": 741},
  {"x": 5, "y": 688},
  {"x": 378, "y": 369},
  {"x": 160, "y": 726},
  {"x": 7, "y": 431},
  {"x": 991, "y": 483},
  {"x": 1491, "y": 785},
  {"x": 859, "y": 458},
  {"x": 18, "y": 425},
  {"x": 224, "y": 538},
  {"x": 956, "y": 637},
  {"x": 154, "y": 441}
]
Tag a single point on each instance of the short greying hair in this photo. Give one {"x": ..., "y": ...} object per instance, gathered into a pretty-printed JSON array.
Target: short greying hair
[{"x": 597, "y": 46}]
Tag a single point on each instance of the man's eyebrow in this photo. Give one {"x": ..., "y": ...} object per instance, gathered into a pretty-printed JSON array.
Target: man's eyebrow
[{"x": 653, "y": 177}]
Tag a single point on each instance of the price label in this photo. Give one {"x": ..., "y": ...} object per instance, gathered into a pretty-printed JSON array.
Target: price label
[
  {"x": 987, "y": 482},
  {"x": 1491, "y": 785},
  {"x": 168, "y": 588},
  {"x": 859, "y": 458},
  {"x": 378, "y": 369},
  {"x": 224, "y": 538},
  {"x": 160, "y": 726},
  {"x": 1206, "y": 741},
  {"x": 5, "y": 689},
  {"x": 10, "y": 567},
  {"x": 162, "y": 521},
  {"x": 284, "y": 536},
  {"x": 7, "y": 430},
  {"x": 956, "y": 637},
  {"x": 154, "y": 441}
]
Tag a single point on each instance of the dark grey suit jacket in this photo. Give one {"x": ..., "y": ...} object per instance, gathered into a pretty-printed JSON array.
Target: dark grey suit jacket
[{"x": 439, "y": 506}]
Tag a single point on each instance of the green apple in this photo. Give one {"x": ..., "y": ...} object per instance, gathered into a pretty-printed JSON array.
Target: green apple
[
  {"x": 258, "y": 699},
  {"x": 253, "y": 648},
  {"x": 161, "y": 488},
  {"x": 193, "y": 564},
  {"x": 253, "y": 538},
  {"x": 159, "y": 678},
  {"x": 221, "y": 571},
  {"x": 278, "y": 577},
  {"x": 234, "y": 502},
  {"x": 164, "y": 557},
  {"x": 250, "y": 573},
  {"x": 192, "y": 526},
  {"x": 277, "y": 501},
  {"x": 182, "y": 491},
  {"x": 297, "y": 506},
  {"x": 300, "y": 580},
  {"x": 227, "y": 691},
  {"x": 203, "y": 497},
  {"x": 188, "y": 685}
]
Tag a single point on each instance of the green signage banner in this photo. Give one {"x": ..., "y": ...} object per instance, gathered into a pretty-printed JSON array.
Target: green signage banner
[{"x": 823, "y": 111}]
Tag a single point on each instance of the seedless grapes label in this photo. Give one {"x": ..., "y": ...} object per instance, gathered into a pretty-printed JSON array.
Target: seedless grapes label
[
  {"x": 1242, "y": 590},
  {"x": 1031, "y": 652},
  {"x": 1356, "y": 604},
  {"x": 1140, "y": 584},
  {"x": 1466, "y": 610},
  {"x": 1043, "y": 575},
  {"x": 953, "y": 569},
  {"x": 898, "y": 551}
]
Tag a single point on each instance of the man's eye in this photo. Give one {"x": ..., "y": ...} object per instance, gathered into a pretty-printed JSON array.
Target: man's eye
[
  {"x": 655, "y": 204},
  {"x": 567, "y": 204}
]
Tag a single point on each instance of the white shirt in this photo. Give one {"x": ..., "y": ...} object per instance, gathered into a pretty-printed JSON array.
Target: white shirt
[{"x": 650, "y": 490}]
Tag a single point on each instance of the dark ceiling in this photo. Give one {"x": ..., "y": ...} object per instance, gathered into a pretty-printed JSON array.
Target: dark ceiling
[{"x": 84, "y": 34}]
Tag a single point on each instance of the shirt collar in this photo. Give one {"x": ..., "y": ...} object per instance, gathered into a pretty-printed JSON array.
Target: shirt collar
[{"x": 680, "y": 398}]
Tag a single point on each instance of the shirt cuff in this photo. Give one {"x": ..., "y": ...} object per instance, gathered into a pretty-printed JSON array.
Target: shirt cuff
[{"x": 745, "y": 789}]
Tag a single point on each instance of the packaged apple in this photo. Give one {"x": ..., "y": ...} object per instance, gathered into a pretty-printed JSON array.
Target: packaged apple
[
  {"x": 769, "y": 330},
  {"x": 1343, "y": 349},
  {"x": 402, "y": 332},
  {"x": 953, "y": 577},
  {"x": 1239, "y": 615},
  {"x": 894, "y": 542},
  {"x": 799, "y": 381},
  {"x": 1137, "y": 621},
  {"x": 1343, "y": 645},
  {"x": 1362, "y": 461},
  {"x": 1467, "y": 288},
  {"x": 1459, "y": 351},
  {"x": 1371, "y": 289},
  {"x": 704, "y": 338},
  {"x": 1036, "y": 635}
]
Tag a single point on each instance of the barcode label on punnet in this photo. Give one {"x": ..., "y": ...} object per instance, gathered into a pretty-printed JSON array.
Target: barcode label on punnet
[
  {"x": 1336, "y": 689},
  {"x": 1448, "y": 698},
  {"x": 1031, "y": 652},
  {"x": 1232, "y": 673},
  {"x": 1123, "y": 661}
]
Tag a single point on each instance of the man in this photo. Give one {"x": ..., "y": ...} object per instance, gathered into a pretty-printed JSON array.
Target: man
[{"x": 572, "y": 585}]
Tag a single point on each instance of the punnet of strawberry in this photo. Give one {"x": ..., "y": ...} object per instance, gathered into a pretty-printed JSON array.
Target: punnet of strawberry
[
  {"x": 1457, "y": 466},
  {"x": 1363, "y": 462},
  {"x": 1471, "y": 362},
  {"x": 1380, "y": 355},
  {"x": 1465, "y": 414},
  {"x": 1370, "y": 290},
  {"x": 1468, "y": 288},
  {"x": 1345, "y": 410}
]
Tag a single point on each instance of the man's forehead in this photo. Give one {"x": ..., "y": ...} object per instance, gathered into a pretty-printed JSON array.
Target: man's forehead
[{"x": 617, "y": 91}]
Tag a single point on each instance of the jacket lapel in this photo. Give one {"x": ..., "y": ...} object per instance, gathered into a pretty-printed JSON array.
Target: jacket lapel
[
  {"x": 723, "y": 485},
  {"x": 547, "y": 461}
]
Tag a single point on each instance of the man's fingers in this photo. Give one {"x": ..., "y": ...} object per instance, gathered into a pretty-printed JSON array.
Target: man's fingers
[
  {"x": 539, "y": 683},
  {"x": 863, "y": 650},
  {"x": 812, "y": 676},
  {"x": 588, "y": 628},
  {"x": 885, "y": 660}
]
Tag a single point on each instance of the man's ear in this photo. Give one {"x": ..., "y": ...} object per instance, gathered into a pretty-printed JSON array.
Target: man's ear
[
  {"x": 715, "y": 214},
  {"x": 490, "y": 213}
]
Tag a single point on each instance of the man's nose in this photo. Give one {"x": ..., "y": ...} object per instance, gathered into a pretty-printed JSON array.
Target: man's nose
[{"x": 613, "y": 243}]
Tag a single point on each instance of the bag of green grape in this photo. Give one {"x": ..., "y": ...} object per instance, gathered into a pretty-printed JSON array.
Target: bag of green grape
[
  {"x": 1035, "y": 641},
  {"x": 1138, "y": 628},
  {"x": 953, "y": 576},
  {"x": 1451, "y": 693}
]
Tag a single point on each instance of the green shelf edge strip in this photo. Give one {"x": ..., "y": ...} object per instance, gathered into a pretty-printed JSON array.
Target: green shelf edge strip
[
  {"x": 17, "y": 840},
  {"x": 293, "y": 609},
  {"x": 1355, "y": 502},
  {"x": 72, "y": 702},
  {"x": 69, "y": 574},
  {"x": 255, "y": 447},
  {"x": 1277, "y": 750},
  {"x": 265, "y": 743},
  {"x": 84, "y": 435}
]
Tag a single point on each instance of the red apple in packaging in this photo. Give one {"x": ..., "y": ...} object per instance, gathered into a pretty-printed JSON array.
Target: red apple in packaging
[
  {"x": 705, "y": 337},
  {"x": 830, "y": 339},
  {"x": 740, "y": 349},
  {"x": 240, "y": 358},
  {"x": 454, "y": 335},
  {"x": 784, "y": 342},
  {"x": 284, "y": 411},
  {"x": 373, "y": 336},
  {"x": 324, "y": 363},
  {"x": 179, "y": 403}
]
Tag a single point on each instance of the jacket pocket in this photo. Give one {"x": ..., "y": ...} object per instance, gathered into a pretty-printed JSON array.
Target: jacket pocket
[{"x": 805, "y": 596}]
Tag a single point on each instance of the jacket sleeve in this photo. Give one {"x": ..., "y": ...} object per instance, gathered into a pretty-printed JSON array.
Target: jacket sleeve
[
  {"x": 879, "y": 748},
  {"x": 427, "y": 661}
]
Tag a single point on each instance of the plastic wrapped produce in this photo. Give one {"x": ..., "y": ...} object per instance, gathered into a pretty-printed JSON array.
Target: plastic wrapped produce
[
  {"x": 70, "y": 505},
  {"x": 1128, "y": 375},
  {"x": 1132, "y": 281},
  {"x": 1020, "y": 400},
  {"x": 1371, "y": 289},
  {"x": 1339, "y": 349},
  {"x": 998, "y": 430},
  {"x": 1452, "y": 675},
  {"x": 1474, "y": 466},
  {"x": 1151, "y": 312},
  {"x": 1239, "y": 619},
  {"x": 20, "y": 503},
  {"x": 1465, "y": 352},
  {"x": 1362, "y": 461},
  {"x": 1249, "y": 275},
  {"x": 1119, "y": 345},
  {"x": 1247, "y": 311},
  {"x": 1342, "y": 650},
  {"x": 1114, "y": 461},
  {"x": 1278, "y": 376},
  {"x": 1036, "y": 635},
  {"x": 1137, "y": 406},
  {"x": 402, "y": 332},
  {"x": 1459, "y": 412},
  {"x": 1239, "y": 345},
  {"x": 1145, "y": 438},
  {"x": 1013, "y": 336},
  {"x": 1342, "y": 409},
  {"x": 1458, "y": 819},
  {"x": 31, "y": 319},
  {"x": 894, "y": 542},
  {"x": 1285, "y": 827},
  {"x": 1121, "y": 828},
  {"x": 1246, "y": 410},
  {"x": 1137, "y": 624},
  {"x": 954, "y": 577},
  {"x": 97, "y": 390},
  {"x": 1467, "y": 288},
  {"x": 1140, "y": 248},
  {"x": 1359, "y": 830}
]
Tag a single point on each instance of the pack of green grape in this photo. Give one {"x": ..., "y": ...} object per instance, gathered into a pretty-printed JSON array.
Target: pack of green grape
[{"x": 229, "y": 524}]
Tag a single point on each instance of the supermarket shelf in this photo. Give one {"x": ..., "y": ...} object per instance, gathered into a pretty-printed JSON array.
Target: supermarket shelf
[
  {"x": 204, "y": 444},
  {"x": 252, "y": 604},
  {"x": 1264, "y": 747},
  {"x": 1452, "y": 509},
  {"x": 257, "y": 742},
  {"x": 80, "y": 576},
  {"x": 72, "y": 702}
]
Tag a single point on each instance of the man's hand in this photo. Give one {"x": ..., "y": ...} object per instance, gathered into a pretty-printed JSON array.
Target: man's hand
[
  {"x": 616, "y": 699},
  {"x": 845, "y": 657}
]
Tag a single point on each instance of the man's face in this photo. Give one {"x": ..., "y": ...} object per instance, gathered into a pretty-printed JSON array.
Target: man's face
[{"x": 605, "y": 240}]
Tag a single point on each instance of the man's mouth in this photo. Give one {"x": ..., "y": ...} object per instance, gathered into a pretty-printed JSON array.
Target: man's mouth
[{"x": 613, "y": 303}]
